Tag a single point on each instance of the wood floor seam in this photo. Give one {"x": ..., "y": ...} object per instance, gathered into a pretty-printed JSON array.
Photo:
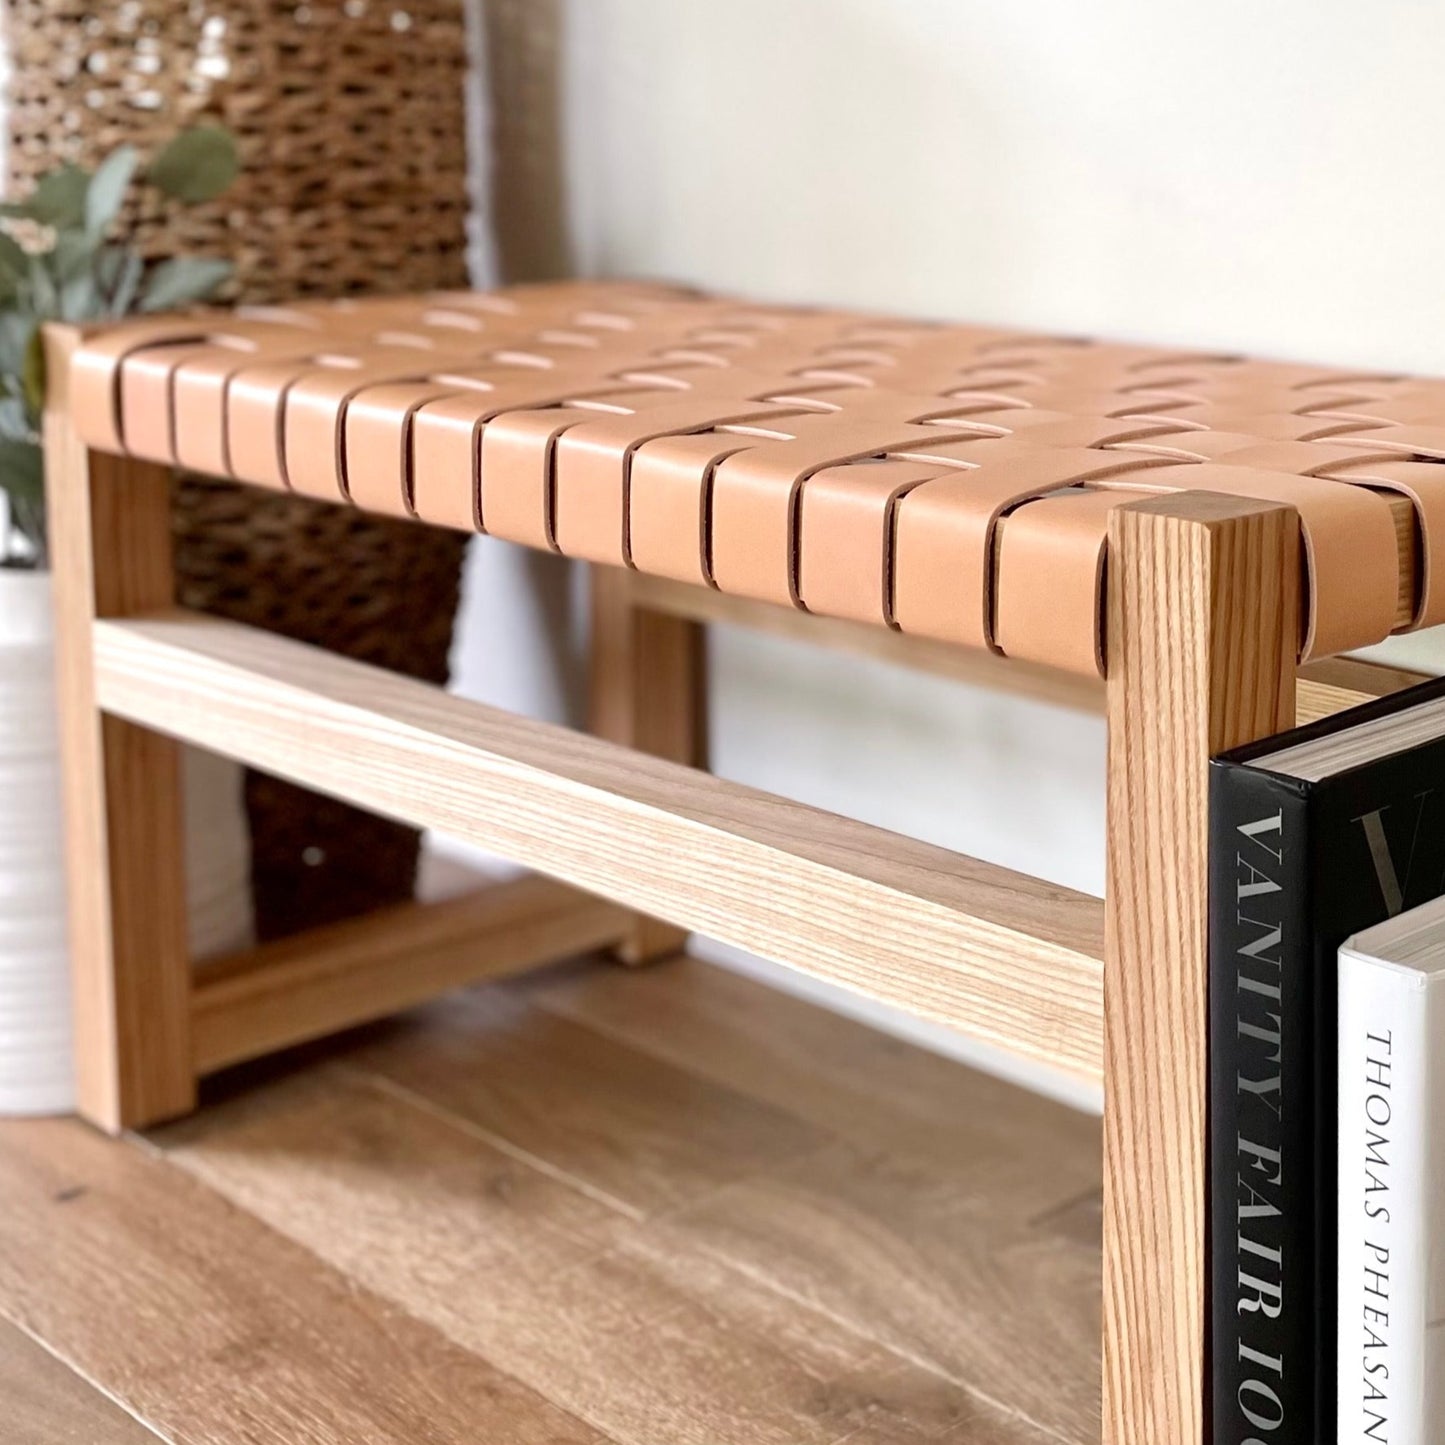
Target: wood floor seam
[
  {"x": 469, "y": 1127},
  {"x": 491, "y": 1384},
  {"x": 84, "y": 1377},
  {"x": 549, "y": 991},
  {"x": 904, "y": 1356},
  {"x": 623, "y": 1252}
]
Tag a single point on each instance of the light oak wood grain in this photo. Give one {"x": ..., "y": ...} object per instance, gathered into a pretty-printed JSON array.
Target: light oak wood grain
[
  {"x": 1314, "y": 700},
  {"x": 343, "y": 1143},
  {"x": 1336, "y": 683},
  {"x": 951, "y": 1255},
  {"x": 946, "y": 1266},
  {"x": 853, "y": 1082},
  {"x": 1407, "y": 542},
  {"x": 44, "y": 1402},
  {"x": 1354, "y": 674},
  {"x": 648, "y": 691},
  {"x": 364, "y": 968},
  {"x": 110, "y": 538},
  {"x": 1004, "y": 957},
  {"x": 1203, "y": 609},
  {"x": 216, "y": 1329},
  {"x": 616, "y": 1321},
  {"x": 644, "y": 1134},
  {"x": 757, "y": 1301},
  {"x": 952, "y": 1258}
]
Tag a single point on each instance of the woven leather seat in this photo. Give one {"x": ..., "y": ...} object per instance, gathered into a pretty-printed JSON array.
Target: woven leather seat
[{"x": 950, "y": 481}]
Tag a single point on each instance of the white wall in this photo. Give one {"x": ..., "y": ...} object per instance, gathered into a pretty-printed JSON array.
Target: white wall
[
  {"x": 1236, "y": 174},
  {"x": 1232, "y": 173}
]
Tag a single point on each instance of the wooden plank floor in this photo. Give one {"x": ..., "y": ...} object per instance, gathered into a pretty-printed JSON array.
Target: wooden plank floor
[{"x": 662, "y": 1207}]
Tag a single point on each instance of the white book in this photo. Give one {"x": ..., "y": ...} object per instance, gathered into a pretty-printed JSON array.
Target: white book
[{"x": 1392, "y": 1182}]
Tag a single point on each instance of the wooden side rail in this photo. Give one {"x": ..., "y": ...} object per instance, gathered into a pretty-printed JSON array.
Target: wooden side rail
[
  {"x": 1331, "y": 685},
  {"x": 1323, "y": 687},
  {"x": 364, "y": 968},
  {"x": 1006, "y": 958}
]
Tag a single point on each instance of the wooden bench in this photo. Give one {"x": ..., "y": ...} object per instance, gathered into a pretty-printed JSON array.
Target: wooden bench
[{"x": 1165, "y": 536}]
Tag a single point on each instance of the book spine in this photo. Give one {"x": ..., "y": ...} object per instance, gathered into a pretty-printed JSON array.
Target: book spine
[
  {"x": 1385, "y": 1204},
  {"x": 1263, "y": 1125}
]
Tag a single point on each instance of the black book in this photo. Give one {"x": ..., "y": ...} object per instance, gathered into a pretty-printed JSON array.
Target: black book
[{"x": 1314, "y": 835}]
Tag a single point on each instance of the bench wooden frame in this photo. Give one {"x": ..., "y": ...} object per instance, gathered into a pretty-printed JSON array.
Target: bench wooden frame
[{"x": 626, "y": 829}]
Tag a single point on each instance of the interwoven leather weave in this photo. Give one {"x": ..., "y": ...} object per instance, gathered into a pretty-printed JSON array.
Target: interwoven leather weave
[{"x": 950, "y": 481}]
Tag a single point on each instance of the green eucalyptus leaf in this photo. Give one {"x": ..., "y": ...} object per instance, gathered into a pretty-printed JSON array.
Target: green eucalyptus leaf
[
  {"x": 118, "y": 271},
  {"x": 73, "y": 256},
  {"x": 197, "y": 165},
  {"x": 22, "y": 470},
  {"x": 108, "y": 186},
  {"x": 32, "y": 373},
  {"x": 127, "y": 283},
  {"x": 16, "y": 332},
  {"x": 14, "y": 419},
  {"x": 80, "y": 299},
  {"x": 182, "y": 280},
  {"x": 58, "y": 199},
  {"x": 44, "y": 295},
  {"x": 13, "y": 261},
  {"x": 108, "y": 262}
]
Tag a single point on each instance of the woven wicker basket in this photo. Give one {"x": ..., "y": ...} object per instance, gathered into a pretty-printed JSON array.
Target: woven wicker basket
[{"x": 350, "y": 120}]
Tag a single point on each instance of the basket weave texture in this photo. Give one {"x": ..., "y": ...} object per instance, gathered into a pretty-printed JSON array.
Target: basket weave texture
[
  {"x": 350, "y": 119},
  {"x": 349, "y": 115}
]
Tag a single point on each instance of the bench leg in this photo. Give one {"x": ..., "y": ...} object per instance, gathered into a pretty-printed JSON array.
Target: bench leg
[
  {"x": 1203, "y": 622},
  {"x": 111, "y": 552},
  {"x": 647, "y": 692}
]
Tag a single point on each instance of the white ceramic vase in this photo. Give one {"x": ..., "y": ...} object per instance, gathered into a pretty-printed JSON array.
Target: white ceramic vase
[{"x": 36, "y": 1069}]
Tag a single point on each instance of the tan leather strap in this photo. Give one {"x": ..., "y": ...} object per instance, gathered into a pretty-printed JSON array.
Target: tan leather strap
[
  {"x": 954, "y": 481},
  {"x": 943, "y": 568},
  {"x": 1051, "y": 565},
  {"x": 1352, "y": 560}
]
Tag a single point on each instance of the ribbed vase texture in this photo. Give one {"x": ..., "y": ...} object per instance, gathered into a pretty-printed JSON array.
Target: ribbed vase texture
[
  {"x": 35, "y": 1054},
  {"x": 36, "y": 1065}
]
